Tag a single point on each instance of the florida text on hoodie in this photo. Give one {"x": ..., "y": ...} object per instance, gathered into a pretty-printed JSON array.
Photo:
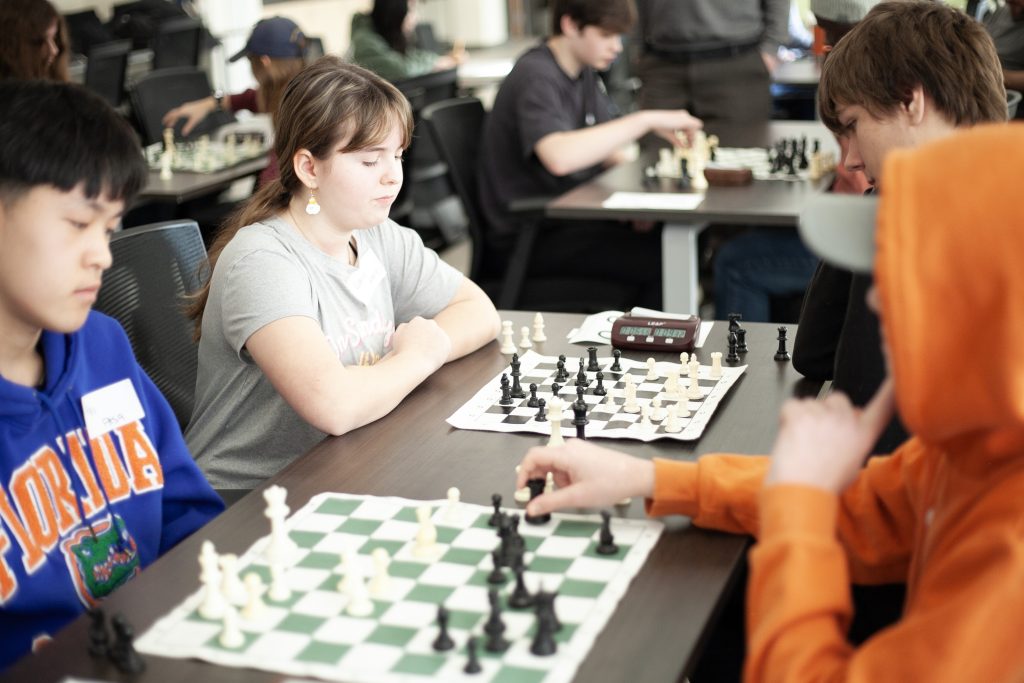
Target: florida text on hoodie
[{"x": 79, "y": 519}]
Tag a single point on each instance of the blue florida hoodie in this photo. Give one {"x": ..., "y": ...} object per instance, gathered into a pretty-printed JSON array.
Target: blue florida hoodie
[{"x": 79, "y": 519}]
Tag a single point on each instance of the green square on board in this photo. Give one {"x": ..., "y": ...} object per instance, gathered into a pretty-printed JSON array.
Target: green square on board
[
  {"x": 447, "y": 534},
  {"x": 515, "y": 674},
  {"x": 306, "y": 539},
  {"x": 338, "y": 506},
  {"x": 464, "y": 556},
  {"x": 398, "y": 636},
  {"x": 549, "y": 565},
  {"x": 406, "y": 570},
  {"x": 359, "y": 527},
  {"x": 576, "y": 528},
  {"x": 465, "y": 620},
  {"x": 300, "y": 623},
  {"x": 580, "y": 589},
  {"x": 422, "y": 665},
  {"x": 433, "y": 594},
  {"x": 480, "y": 579},
  {"x": 323, "y": 653},
  {"x": 481, "y": 522},
  {"x": 391, "y": 546},
  {"x": 318, "y": 560},
  {"x": 406, "y": 515}
]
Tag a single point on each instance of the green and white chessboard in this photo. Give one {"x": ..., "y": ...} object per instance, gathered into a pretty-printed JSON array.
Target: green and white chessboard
[{"x": 310, "y": 634}]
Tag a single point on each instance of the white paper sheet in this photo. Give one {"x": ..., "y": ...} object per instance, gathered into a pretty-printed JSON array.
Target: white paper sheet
[{"x": 673, "y": 201}]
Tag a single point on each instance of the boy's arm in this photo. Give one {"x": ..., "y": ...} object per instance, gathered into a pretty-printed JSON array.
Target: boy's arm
[
  {"x": 1013, "y": 79},
  {"x": 963, "y": 624},
  {"x": 470, "y": 320},
  {"x": 565, "y": 152},
  {"x": 821, "y": 322}
]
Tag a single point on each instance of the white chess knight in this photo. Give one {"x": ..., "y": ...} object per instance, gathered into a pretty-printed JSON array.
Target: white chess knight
[
  {"x": 280, "y": 548},
  {"x": 214, "y": 603},
  {"x": 426, "y": 547},
  {"x": 508, "y": 346},
  {"x": 538, "y": 329}
]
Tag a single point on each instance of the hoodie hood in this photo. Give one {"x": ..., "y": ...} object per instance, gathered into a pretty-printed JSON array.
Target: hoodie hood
[
  {"x": 61, "y": 355},
  {"x": 948, "y": 270}
]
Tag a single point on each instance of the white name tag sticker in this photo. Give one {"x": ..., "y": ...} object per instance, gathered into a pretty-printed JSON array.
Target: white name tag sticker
[{"x": 111, "y": 407}]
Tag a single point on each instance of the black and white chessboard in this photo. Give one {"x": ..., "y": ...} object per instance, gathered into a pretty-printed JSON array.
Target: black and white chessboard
[
  {"x": 756, "y": 159},
  {"x": 215, "y": 156},
  {"x": 310, "y": 633},
  {"x": 607, "y": 419}
]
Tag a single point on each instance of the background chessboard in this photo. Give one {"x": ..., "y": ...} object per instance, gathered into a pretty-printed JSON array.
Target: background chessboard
[
  {"x": 756, "y": 159},
  {"x": 310, "y": 635},
  {"x": 607, "y": 420},
  {"x": 216, "y": 159}
]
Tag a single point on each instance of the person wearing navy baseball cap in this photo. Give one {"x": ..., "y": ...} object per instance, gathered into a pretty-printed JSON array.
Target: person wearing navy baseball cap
[{"x": 275, "y": 49}]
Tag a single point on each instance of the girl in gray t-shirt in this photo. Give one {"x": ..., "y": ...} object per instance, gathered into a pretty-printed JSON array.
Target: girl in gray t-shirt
[{"x": 320, "y": 313}]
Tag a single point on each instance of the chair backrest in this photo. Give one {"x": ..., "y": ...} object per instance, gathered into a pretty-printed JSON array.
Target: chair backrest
[
  {"x": 154, "y": 268},
  {"x": 156, "y": 93},
  {"x": 456, "y": 127},
  {"x": 177, "y": 43},
  {"x": 1013, "y": 108},
  {"x": 106, "y": 68},
  {"x": 86, "y": 30}
]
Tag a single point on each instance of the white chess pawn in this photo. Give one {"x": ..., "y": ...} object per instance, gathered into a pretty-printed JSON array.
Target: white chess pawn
[
  {"x": 672, "y": 424},
  {"x": 451, "y": 510},
  {"x": 213, "y": 604},
  {"x": 694, "y": 367},
  {"x": 652, "y": 371},
  {"x": 230, "y": 585},
  {"x": 508, "y": 346},
  {"x": 347, "y": 568},
  {"x": 231, "y": 635},
  {"x": 255, "y": 609},
  {"x": 521, "y": 495},
  {"x": 380, "y": 584},
  {"x": 549, "y": 483},
  {"x": 359, "y": 602},
  {"x": 657, "y": 412},
  {"x": 716, "y": 364},
  {"x": 538, "y": 329},
  {"x": 645, "y": 421},
  {"x": 426, "y": 547},
  {"x": 693, "y": 392},
  {"x": 166, "y": 168},
  {"x": 684, "y": 358},
  {"x": 630, "y": 406},
  {"x": 555, "y": 418},
  {"x": 683, "y": 408},
  {"x": 279, "y": 590},
  {"x": 524, "y": 338}
]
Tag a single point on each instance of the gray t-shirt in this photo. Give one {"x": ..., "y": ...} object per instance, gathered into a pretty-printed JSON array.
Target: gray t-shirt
[
  {"x": 1008, "y": 36},
  {"x": 242, "y": 431}
]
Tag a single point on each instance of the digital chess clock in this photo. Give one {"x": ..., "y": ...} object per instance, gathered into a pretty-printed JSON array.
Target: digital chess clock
[{"x": 651, "y": 333}]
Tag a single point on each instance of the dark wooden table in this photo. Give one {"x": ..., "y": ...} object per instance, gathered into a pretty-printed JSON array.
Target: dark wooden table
[
  {"x": 764, "y": 202},
  {"x": 658, "y": 628},
  {"x": 185, "y": 185}
]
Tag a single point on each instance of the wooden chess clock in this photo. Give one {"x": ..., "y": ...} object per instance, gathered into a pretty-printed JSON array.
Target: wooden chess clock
[{"x": 651, "y": 333}]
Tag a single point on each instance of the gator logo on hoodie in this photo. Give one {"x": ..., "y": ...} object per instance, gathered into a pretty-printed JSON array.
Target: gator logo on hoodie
[{"x": 99, "y": 564}]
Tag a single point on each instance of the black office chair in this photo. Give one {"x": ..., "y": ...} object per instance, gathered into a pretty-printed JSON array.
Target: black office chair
[
  {"x": 86, "y": 31},
  {"x": 425, "y": 172},
  {"x": 456, "y": 127},
  {"x": 156, "y": 93},
  {"x": 177, "y": 43},
  {"x": 106, "y": 68},
  {"x": 154, "y": 268}
]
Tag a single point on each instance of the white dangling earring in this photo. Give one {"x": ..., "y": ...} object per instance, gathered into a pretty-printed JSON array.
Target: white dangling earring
[{"x": 312, "y": 207}]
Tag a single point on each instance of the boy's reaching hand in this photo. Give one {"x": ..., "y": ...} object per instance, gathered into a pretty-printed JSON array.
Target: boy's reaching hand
[
  {"x": 824, "y": 443},
  {"x": 586, "y": 476}
]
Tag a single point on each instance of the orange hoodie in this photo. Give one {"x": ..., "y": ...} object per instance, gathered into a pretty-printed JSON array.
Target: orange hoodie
[{"x": 945, "y": 512}]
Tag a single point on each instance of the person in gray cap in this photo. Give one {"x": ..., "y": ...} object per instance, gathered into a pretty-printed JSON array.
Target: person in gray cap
[{"x": 275, "y": 49}]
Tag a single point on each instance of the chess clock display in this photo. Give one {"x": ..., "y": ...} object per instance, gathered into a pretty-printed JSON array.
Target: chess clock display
[{"x": 655, "y": 334}]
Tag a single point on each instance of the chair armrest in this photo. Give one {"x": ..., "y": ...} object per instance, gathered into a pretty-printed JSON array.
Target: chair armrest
[{"x": 529, "y": 207}]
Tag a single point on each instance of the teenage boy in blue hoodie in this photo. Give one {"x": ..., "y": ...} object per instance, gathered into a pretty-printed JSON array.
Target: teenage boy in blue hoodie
[{"x": 95, "y": 479}]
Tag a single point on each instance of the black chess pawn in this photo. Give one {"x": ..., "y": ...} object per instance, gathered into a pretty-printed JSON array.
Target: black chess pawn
[
  {"x": 443, "y": 642},
  {"x": 99, "y": 639},
  {"x": 599, "y": 390},
  {"x": 496, "y": 515},
  {"x": 804, "y": 163},
  {"x": 616, "y": 355},
  {"x": 732, "y": 357},
  {"x": 542, "y": 411},
  {"x": 122, "y": 652},
  {"x": 581, "y": 375},
  {"x": 606, "y": 541},
  {"x": 495, "y": 627},
  {"x": 517, "y": 388},
  {"x": 472, "y": 662},
  {"x": 592, "y": 364},
  {"x": 560, "y": 374},
  {"x": 741, "y": 340},
  {"x": 520, "y": 597},
  {"x": 497, "y": 576},
  {"x": 532, "y": 402},
  {"x": 580, "y": 390},
  {"x": 782, "y": 353},
  {"x": 536, "y": 487},
  {"x": 506, "y": 391},
  {"x": 684, "y": 174},
  {"x": 579, "y": 419},
  {"x": 555, "y": 388}
]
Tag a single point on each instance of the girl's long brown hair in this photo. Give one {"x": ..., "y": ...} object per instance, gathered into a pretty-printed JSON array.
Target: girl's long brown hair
[
  {"x": 327, "y": 102},
  {"x": 23, "y": 24}
]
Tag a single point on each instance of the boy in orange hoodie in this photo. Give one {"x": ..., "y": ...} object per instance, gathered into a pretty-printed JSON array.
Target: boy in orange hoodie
[{"x": 943, "y": 511}]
